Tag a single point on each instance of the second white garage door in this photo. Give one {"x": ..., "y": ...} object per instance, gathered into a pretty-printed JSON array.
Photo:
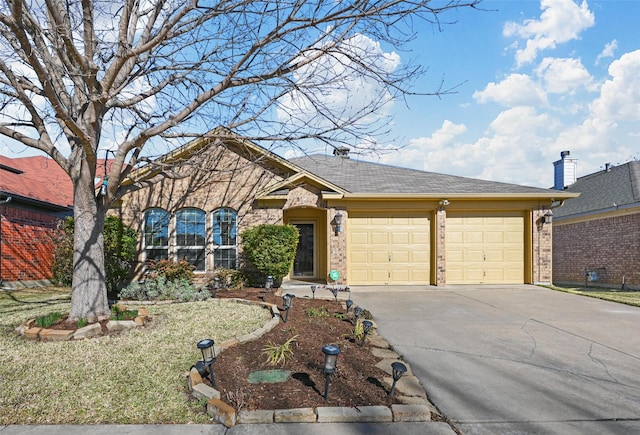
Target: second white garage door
[
  {"x": 388, "y": 248},
  {"x": 485, "y": 248}
]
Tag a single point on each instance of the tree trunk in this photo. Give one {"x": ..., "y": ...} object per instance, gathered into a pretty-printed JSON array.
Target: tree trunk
[{"x": 89, "y": 290}]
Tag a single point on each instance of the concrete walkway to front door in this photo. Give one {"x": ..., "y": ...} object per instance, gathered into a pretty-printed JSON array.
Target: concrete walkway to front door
[{"x": 516, "y": 359}]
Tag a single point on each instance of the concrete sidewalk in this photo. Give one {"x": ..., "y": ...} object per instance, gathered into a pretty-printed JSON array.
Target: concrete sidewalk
[{"x": 427, "y": 428}]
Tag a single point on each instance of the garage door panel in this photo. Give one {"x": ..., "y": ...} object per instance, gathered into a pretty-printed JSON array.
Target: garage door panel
[
  {"x": 397, "y": 244},
  {"x": 493, "y": 248}
]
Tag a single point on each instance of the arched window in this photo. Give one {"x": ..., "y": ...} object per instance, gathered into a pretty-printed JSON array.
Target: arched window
[
  {"x": 191, "y": 237},
  {"x": 156, "y": 234},
  {"x": 225, "y": 228}
]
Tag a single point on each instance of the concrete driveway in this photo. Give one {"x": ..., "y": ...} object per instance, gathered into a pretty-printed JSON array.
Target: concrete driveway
[{"x": 516, "y": 359}]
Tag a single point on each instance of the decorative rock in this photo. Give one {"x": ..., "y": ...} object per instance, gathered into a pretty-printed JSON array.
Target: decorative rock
[
  {"x": 385, "y": 353},
  {"x": 221, "y": 412},
  {"x": 295, "y": 415},
  {"x": 194, "y": 378},
  {"x": 88, "y": 331},
  {"x": 378, "y": 341},
  {"x": 120, "y": 325},
  {"x": 362, "y": 414},
  {"x": 410, "y": 413},
  {"x": 32, "y": 333},
  {"x": 205, "y": 392},
  {"x": 143, "y": 312},
  {"x": 56, "y": 334},
  {"x": 256, "y": 417}
]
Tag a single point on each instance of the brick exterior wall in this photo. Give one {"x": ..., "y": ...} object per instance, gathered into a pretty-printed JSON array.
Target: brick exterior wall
[
  {"x": 611, "y": 243},
  {"x": 27, "y": 243},
  {"x": 542, "y": 238}
]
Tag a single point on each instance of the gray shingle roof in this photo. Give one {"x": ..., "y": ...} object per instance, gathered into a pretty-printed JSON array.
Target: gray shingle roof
[
  {"x": 356, "y": 176},
  {"x": 604, "y": 191}
]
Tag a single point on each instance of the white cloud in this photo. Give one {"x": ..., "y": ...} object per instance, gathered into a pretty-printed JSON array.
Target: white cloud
[
  {"x": 620, "y": 96},
  {"x": 563, "y": 75},
  {"x": 515, "y": 90},
  {"x": 560, "y": 21},
  {"x": 608, "y": 51}
]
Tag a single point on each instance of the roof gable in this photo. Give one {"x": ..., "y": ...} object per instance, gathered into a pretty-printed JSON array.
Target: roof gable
[{"x": 607, "y": 190}]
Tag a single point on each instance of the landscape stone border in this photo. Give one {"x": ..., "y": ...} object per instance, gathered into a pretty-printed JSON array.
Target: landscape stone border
[
  {"x": 30, "y": 331},
  {"x": 414, "y": 407}
]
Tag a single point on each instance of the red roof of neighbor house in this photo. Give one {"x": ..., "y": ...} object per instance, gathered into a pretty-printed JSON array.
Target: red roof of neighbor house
[{"x": 39, "y": 178}]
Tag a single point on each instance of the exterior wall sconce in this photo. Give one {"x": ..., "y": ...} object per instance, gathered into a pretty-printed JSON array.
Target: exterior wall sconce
[
  {"x": 548, "y": 217},
  {"x": 330, "y": 361},
  {"x": 338, "y": 221},
  {"x": 205, "y": 366}
]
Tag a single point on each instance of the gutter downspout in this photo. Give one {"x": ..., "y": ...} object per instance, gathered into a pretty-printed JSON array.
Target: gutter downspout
[{"x": 2, "y": 202}]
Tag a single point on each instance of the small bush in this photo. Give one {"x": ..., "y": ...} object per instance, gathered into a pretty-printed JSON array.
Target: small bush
[
  {"x": 228, "y": 278},
  {"x": 171, "y": 270},
  {"x": 279, "y": 353},
  {"x": 271, "y": 249},
  {"x": 159, "y": 289}
]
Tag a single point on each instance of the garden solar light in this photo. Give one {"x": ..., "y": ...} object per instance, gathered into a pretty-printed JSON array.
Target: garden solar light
[
  {"x": 313, "y": 291},
  {"x": 366, "y": 327},
  {"x": 335, "y": 293},
  {"x": 330, "y": 361},
  {"x": 287, "y": 302},
  {"x": 358, "y": 312},
  {"x": 398, "y": 369},
  {"x": 349, "y": 303},
  {"x": 205, "y": 366},
  {"x": 216, "y": 283}
]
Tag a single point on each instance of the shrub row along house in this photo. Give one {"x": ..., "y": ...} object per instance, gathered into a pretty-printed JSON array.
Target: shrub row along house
[
  {"x": 375, "y": 224},
  {"x": 596, "y": 236}
]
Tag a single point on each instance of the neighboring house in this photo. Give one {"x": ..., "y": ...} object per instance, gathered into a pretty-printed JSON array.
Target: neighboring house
[
  {"x": 35, "y": 193},
  {"x": 375, "y": 224},
  {"x": 596, "y": 236}
]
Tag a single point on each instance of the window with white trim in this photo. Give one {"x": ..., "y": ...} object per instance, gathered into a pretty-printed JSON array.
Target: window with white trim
[
  {"x": 191, "y": 237},
  {"x": 225, "y": 228},
  {"x": 156, "y": 234}
]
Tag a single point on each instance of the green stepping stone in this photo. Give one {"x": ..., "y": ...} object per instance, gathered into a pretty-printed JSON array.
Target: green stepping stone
[{"x": 269, "y": 376}]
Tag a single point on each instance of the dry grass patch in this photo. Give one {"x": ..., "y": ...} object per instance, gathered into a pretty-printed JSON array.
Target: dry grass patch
[
  {"x": 133, "y": 377},
  {"x": 623, "y": 297}
]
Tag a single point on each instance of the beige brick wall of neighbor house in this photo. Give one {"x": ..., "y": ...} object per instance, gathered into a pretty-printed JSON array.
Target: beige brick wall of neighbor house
[{"x": 611, "y": 243}]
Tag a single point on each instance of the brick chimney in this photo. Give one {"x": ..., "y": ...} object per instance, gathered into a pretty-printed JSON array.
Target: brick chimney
[{"x": 564, "y": 171}]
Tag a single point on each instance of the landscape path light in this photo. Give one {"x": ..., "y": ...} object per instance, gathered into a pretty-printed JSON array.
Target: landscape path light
[
  {"x": 349, "y": 304},
  {"x": 357, "y": 311},
  {"x": 331, "y": 353},
  {"x": 397, "y": 370},
  {"x": 205, "y": 366},
  {"x": 335, "y": 293},
  {"x": 267, "y": 285},
  {"x": 287, "y": 302},
  {"x": 366, "y": 327},
  {"x": 313, "y": 291}
]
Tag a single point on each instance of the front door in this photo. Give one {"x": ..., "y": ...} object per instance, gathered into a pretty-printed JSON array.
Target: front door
[{"x": 304, "y": 263}]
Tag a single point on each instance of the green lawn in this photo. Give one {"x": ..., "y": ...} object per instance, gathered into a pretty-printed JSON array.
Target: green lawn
[
  {"x": 623, "y": 297},
  {"x": 133, "y": 377}
]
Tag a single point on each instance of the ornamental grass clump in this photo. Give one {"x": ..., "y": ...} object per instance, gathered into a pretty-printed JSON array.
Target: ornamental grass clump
[{"x": 279, "y": 353}]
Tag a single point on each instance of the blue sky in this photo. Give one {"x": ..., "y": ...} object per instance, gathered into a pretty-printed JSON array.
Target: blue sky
[
  {"x": 536, "y": 78},
  {"x": 533, "y": 78}
]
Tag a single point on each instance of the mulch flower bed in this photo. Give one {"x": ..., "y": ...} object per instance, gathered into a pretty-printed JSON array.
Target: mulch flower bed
[{"x": 314, "y": 323}]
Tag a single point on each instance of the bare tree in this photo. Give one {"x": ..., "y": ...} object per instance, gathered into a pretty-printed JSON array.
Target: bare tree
[{"x": 149, "y": 75}]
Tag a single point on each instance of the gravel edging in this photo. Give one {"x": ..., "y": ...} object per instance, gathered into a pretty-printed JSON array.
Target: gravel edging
[{"x": 415, "y": 406}]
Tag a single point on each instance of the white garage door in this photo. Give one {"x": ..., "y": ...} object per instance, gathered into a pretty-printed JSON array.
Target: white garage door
[
  {"x": 388, "y": 248},
  {"x": 485, "y": 248}
]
